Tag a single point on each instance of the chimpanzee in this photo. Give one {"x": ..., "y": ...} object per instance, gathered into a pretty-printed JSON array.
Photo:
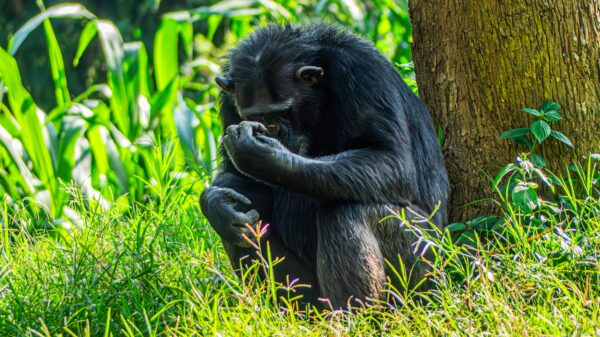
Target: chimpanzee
[{"x": 323, "y": 138}]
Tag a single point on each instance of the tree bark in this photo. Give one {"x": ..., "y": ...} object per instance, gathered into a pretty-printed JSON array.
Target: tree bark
[{"x": 478, "y": 62}]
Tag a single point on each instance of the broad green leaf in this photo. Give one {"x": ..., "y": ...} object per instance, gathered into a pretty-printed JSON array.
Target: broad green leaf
[
  {"x": 504, "y": 171},
  {"x": 112, "y": 46},
  {"x": 514, "y": 133},
  {"x": 213, "y": 23},
  {"x": 456, "y": 227},
  {"x": 231, "y": 9},
  {"x": 30, "y": 119},
  {"x": 276, "y": 9},
  {"x": 120, "y": 139},
  {"x": 467, "y": 238},
  {"x": 524, "y": 197},
  {"x": 549, "y": 105},
  {"x": 163, "y": 99},
  {"x": 531, "y": 111},
  {"x": 135, "y": 65},
  {"x": 102, "y": 89},
  {"x": 8, "y": 121},
  {"x": 136, "y": 68},
  {"x": 538, "y": 161},
  {"x": 162, "y": 108},
  {"x": 9, "y": 184},
  {"x": 561, "y": 137},
  {"x": 207, "y": 138},
  {"x": 71, "y": 129},
  {"x": 186, "y": 123},
  {"x": 320, "y": 6},
  {"x": 82, "y": 175},
  {"x": 552, "y": 116},
  {"x": 186, "y": 31},
  {"x": 353, "y": 8},
  {"x": 166, "y": 47},
  {"x": 483, "y": 222},
  {"x": 166, "y": 65},
  {"x": 58, "y": 11},
  {"x": 87, "y": 35},
  {"x": 114, "y": 157},
  {"x": 98, "y": 149},
  {"x": 16, "y": 152},
  {"x": 541, "y": 130},
  {"x": 523, "y": 140},
  {"x": 105, "y": 151}
]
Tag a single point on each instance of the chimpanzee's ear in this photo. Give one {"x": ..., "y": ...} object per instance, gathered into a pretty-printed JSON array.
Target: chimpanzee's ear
[
  {"x": 225, "y": 83},
  {"x": 309, "y": 74}
]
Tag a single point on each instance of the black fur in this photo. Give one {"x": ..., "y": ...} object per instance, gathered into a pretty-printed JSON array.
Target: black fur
[{"x": 354, "y": 144}]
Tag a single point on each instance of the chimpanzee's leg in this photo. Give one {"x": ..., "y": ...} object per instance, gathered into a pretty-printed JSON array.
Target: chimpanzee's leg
[
  {"x": 291, "y": 267},
  {"x": 400, "y": 241},
  {"x": 349, "y": 258},
  {"x": 290, "y": 271},
  {"x": 293, "y": 229},
  {"x": 352, "y": 245}
]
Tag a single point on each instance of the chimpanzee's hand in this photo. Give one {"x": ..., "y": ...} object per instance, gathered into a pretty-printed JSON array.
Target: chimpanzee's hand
[
  {"x": 217, "y": 204},
  {"x": 252, "y": 152}
]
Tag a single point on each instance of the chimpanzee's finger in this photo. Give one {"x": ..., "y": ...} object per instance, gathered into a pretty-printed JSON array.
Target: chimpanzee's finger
[
  {"x": 266, "y": 140},
  {"x": 226, "y": 142},
  {"x": 245, "y": 131},
  {"x": 238, "y": 219},
  {"x": 237, "y": 197},
  {"x": 256, "y": 126},
  {"x": 269, "y": 142},
  {"x": 232, "y": 131},
  {"x": 252, "y": 216}
]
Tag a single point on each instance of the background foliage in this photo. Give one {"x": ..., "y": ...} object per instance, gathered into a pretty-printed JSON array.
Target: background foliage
[{"x": 125, "y": 91}]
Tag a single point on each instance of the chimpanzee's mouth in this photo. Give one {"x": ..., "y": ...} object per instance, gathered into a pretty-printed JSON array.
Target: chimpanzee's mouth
[
  {"x": 273, "y": 129},
  {"x": 273, "y": 125}
]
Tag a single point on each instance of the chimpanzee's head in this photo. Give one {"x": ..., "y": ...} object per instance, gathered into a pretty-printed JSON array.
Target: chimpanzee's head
[{"x": 274, "y": 79}]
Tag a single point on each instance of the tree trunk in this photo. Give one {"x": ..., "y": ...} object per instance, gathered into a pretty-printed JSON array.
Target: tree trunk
[{"x": 478, "y": 62}]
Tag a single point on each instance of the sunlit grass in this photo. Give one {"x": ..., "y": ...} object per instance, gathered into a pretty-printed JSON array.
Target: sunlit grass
[{"x": 159, "y": 270}]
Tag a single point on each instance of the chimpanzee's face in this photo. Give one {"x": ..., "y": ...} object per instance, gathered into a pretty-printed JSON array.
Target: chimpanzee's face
[
  {"x": 268, "y": 97},
  {"x": 272, "y": 92}
]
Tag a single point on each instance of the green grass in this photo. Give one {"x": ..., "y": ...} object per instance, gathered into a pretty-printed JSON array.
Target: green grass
[{"x": 157, "y": 269}]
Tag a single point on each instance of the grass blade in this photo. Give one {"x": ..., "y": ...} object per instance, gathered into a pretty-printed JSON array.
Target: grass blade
[
  {"x": 57, "y": 66},
  {"x": 112, "y": 46},
  {"x": 58, "y": 11}
]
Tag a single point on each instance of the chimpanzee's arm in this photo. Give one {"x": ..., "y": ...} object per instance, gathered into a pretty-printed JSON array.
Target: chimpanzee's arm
[
  {"x": 259, "y": 194},
  {"x": 224, "y": 205},
  {"x": 234, "y": 200},
  {"x": 365, "y": 175}
]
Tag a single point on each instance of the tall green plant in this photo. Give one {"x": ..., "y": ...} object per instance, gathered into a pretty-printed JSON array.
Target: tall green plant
[{"x": 103, "y": 139}]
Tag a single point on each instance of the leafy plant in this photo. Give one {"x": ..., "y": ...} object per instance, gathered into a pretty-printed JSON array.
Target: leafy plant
[
  {"x": 103, "y": 139},
  {"x": 539, "y": 130},
  {"x": 531, "y": 196}
]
